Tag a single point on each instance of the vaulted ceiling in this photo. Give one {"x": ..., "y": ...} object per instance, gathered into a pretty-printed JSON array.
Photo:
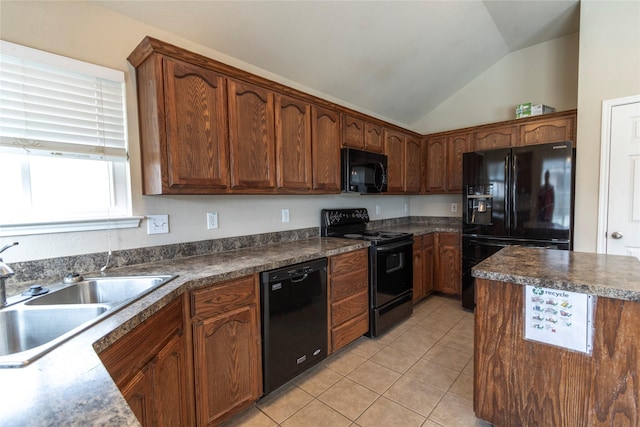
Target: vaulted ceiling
[{"x": 395, "y": 59}]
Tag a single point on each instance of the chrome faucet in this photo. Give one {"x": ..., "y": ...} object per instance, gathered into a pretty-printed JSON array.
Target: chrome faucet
[{"x": 5, "y": 273}]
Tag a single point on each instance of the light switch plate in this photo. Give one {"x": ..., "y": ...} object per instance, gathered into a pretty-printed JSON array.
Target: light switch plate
[
  {"x": 212, "y": 220},
  {"x": 157, "y": 224}
]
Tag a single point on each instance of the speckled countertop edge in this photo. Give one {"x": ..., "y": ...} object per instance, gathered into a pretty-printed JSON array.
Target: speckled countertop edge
[
  {"x": 608, "y": 276},
  {"x": 70, "y": 386}
]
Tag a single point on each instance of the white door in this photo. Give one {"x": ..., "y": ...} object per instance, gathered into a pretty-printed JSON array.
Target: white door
[{"x": 621, "y": 234}]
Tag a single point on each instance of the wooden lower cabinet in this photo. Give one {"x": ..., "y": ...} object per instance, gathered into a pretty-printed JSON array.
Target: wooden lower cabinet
[
  {"x": 448, "y": 265},
  {"x": 227, "y": 349},
  {"x": 423, "y": 280},
  {"x": 151, "y": 366},
  {"x": 348, "y": 296}
]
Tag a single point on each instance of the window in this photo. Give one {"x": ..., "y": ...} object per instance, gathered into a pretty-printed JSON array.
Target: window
[{"x": 63, "y": 145}]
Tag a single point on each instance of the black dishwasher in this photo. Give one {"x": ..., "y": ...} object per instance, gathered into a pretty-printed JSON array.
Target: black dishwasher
[{"x": 294, "y": 320}]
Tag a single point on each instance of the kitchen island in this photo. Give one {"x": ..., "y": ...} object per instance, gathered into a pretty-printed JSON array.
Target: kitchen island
[{"x": 519, "y": 381}]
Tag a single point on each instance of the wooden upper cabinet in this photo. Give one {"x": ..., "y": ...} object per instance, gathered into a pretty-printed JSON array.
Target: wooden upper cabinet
[
  {"x": 373, "y": 137},
  {"x": 293, "y": 143},
  {"x": 457, "y": 145},
  {"x": 547, "y": 131},
  {"x": 394, "y": 143},
  {"x": 436, "y": 165},
  {"x": 352, "y": 132},
  {"x": 251, "y": 136},
  {"x": 502, "y": 137},
  {"x": 412, "y": 162},
  {"x": 325, "y": 146}
]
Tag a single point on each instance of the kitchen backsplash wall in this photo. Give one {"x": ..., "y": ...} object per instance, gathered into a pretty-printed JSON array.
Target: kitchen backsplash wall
[{"x": 52, "y": 270}]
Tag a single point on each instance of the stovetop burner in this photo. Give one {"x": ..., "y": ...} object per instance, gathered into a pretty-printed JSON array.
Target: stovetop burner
[{"x": 352, "y": 224}]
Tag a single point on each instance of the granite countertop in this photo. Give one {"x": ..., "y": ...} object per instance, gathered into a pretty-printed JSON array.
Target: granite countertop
[
  {"x": 419, "y": 229},
  {"x": 70, "y": 386},
  {"x": 608, "y": 276}
]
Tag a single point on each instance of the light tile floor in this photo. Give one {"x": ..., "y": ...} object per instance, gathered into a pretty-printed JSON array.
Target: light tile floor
[{"x": 420, "y": 373}]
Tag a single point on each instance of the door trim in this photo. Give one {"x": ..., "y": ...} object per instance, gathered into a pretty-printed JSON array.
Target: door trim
[{"x": 605, "y": 149}]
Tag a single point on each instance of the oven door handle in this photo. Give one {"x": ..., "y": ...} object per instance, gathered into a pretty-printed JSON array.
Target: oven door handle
[{"x": 395, "y": 246}]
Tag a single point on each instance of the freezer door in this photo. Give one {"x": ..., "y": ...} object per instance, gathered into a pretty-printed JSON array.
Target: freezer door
[
  {"x": 485, "y": 176},
  {"x": 542, "y": 191}
]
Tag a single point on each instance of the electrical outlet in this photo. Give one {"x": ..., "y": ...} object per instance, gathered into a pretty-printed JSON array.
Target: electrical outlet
[
  {"x": 454, "y": 207},
  {"x": 157, "y": 224},
  {"x": 377, "y": 209},
  {"x": 406, "y": 207},
  {"x": 285, "y": 215},
  {"x": 212, "y": 220}
]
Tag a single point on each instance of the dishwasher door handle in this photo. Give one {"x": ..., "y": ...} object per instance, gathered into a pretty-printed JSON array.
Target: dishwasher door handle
[{"x": 301, "y": 279}]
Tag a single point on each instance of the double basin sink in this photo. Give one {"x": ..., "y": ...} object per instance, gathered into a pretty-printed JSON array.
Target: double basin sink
[{"x": 32, "y": 328}]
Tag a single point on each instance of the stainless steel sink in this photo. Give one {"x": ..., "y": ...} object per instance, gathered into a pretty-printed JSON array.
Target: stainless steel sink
[
  {"x": 24, "y": 329},
  {"x": 34, "y": 327},
  {"x": 102, "y": 290}
]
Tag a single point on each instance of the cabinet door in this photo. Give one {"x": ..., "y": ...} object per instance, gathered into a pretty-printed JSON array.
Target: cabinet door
[
  {"x": 373, "y": 138},
  {"x": 325, "y": 146},
  {"x": 251, "y": 136},
  {"x": 546, "y": 131},
  {"x": 418, "y": 268},
  {"x": 436, "y": 166},
  {"x": 138, "y": 393},
  {"x": 456, "y": 146},
  {"x": 428, "y": 255},
  {"x": 394, "y": 147},
  {"x": 502, "y": 137},
  {"x": 227, "y": 364},
  {"x": 169, "y": 386},
  {"x": 449, "y": 263},
  {"x": 352, "y": 132},
  {"x": 196, "y": 114},
  {"x": 293, "y": 143},
  {"x": 412, "y": 164}
]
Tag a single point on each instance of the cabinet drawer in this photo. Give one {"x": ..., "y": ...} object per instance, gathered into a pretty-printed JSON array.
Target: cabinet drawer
[
  {"x": 449, "y": 239},
  {"x": 348, "y": 284},
  {"x": 349, "y": 331},
  {"x": 350, "y": 261},
  {"x": 224, "y": 297},
  {"x": 350, "y": 307}
]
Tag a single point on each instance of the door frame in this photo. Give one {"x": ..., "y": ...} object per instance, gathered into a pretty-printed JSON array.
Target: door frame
[{"x": 605, "y": 149}]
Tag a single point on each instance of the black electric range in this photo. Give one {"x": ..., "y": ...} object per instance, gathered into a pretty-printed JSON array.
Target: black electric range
[{"x": 390, "y": 265}]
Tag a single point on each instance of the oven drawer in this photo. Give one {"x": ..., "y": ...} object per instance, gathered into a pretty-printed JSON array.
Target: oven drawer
[
  {"x": 350, "y": 307},
  {"x": 349, "y": 331}
]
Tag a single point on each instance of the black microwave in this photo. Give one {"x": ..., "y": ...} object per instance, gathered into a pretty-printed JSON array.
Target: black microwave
[{"x": 363, "y": 172}]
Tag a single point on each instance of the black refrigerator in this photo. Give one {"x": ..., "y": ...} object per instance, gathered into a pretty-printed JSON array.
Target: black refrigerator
[{"x": 515, "y": 196}]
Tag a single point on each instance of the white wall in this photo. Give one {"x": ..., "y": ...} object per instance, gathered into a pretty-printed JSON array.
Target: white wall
[
  {"x": 609, "y": 69},
  {"x": 546, "y": 73},
  {"x": 91, "y": 33},
  {"x": 88, "y": 32}
]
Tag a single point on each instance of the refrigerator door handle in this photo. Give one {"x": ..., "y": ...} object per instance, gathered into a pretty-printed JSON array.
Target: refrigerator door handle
[
  {"x": 513, "y": 222},
  {"x": 507, "y": 202}
]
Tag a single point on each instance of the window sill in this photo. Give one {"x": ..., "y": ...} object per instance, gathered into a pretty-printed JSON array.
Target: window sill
[{"x": 69, "y": 226}]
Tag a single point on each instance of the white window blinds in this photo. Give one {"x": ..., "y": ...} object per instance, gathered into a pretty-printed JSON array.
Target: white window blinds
[{"x": 51, "y": 104}]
